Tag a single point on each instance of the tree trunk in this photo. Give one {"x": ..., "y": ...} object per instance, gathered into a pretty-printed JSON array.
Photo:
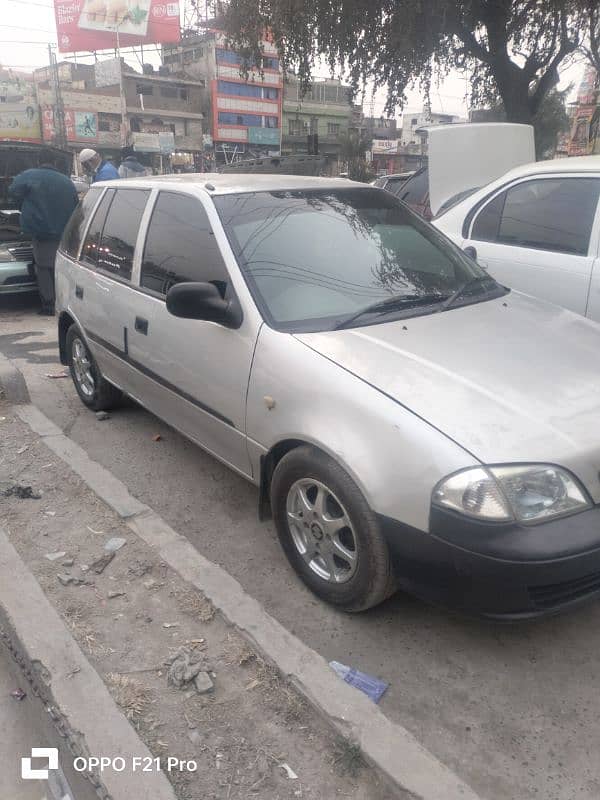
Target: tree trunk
[{"x": 513, "y": 88}]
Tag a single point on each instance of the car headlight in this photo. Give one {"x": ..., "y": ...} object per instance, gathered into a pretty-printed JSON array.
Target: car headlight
[
  {"x": 525, "y": 492},
  {"x": 5, "y": 254}
]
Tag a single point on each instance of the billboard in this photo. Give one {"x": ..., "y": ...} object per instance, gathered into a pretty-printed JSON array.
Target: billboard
[
  {"x": 80, "y": 126},
  {"x": 93, "y": 24},
  {"x": 20, "y": 122},
  {"x": 384, "y": 146},
  {"x": 263, "y": 135},
  {"x": 19, "y": 111},
  {"x": 107, "y": 73}
]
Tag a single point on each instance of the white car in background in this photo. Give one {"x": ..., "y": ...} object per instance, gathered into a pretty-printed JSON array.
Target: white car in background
[{"x": 537, "y": 229}]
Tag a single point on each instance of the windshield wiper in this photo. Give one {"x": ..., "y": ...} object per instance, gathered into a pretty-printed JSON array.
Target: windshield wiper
[
  {"x": 394, "y": 303},
  {"x": 449, "y": 301}
]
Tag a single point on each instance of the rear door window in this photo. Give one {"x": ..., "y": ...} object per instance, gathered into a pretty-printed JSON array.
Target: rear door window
[
  {"x": 89, "y": 251},
  {"x": 117, "y": 245},
  {"x": 73, "y": 232},
  {"x": 180, "y": 246},
  {"x": 554, "y": 214}
]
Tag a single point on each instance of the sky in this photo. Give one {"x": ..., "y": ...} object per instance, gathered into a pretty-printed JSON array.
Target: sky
[{"x": 27, "y": 26}]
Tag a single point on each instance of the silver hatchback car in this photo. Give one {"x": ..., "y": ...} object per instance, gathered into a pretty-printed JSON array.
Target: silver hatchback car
[{"x": 409, "y": 421}]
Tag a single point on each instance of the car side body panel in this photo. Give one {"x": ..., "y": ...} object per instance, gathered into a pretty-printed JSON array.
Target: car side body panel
[{"x": 394, "y": 456}]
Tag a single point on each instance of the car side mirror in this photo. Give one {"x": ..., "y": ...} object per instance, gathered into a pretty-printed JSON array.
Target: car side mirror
[
  {"x": 202, "y": 301},
  {"x": 471, "y": 252}
]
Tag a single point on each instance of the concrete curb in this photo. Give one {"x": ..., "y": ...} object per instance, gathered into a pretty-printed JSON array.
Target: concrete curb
[
  {"x": 12, "y": 383},
  {"x": 389, "y": 747},
  {"x": 76, "y": 698}
]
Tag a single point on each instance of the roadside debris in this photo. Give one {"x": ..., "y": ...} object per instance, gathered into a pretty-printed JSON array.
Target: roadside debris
[
  {"x": 22, "y": 492},
  {"x": 157, "y": 437},
  {"x": 184, "y": 666},
  {"x": 114, "y": 544},
  {"x": 91, "y": 530},
  {"x": 65, "y": 579},
  {"x": 68, "y": 562},
  {"x": 368, "y": 684},
  {"x": 49, "y": 513},
  {"x": 112, "y": 595},
  {"x": 55, "y": 556},
  {"x": 18, "y": 694},
  {"x": 54, "y": 375},
  {"x": 203, "y": 683},
  {"x": 289, "y": 771},
  {"x": 22, "y": 450},
  {"x": 100, "y": 564},
  {"x": 102, "y": 415},
  {"x": 170, "y": 624}
]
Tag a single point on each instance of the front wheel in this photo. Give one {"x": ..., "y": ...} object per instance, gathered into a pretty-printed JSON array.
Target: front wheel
[
  {"x": 93, "y": 389},
  {"x": 328, "y": 532}
]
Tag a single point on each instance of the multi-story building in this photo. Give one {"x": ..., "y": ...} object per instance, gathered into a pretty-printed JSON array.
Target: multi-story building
[
  {"x": 93, "y": 109},
  {"x": 243, "y": 113},
  {"x": 584, "y": 138},
  {"x": 325, "y": 109},
  {"x": 414, "y": 123}
]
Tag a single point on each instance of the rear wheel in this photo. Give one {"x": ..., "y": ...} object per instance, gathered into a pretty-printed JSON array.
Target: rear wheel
[
  {"x": 328, "y": 532},
  {"x": 93, "y": 389}
]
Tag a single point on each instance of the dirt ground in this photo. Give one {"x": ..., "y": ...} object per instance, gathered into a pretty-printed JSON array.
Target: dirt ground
[{"x": 136, "y": 614}]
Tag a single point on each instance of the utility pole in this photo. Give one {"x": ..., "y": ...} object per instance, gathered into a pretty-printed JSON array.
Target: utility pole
[
  {"x": 60, "y": 134},
  {"x": 123, "y": 99}
]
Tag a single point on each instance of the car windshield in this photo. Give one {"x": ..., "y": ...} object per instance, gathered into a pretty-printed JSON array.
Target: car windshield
[{"x": 314, "y": 259}]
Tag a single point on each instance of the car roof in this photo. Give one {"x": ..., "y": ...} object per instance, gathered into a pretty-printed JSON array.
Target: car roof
[
  {"x": 577, "y": 164},
  {"x": 234, "y": 183}
]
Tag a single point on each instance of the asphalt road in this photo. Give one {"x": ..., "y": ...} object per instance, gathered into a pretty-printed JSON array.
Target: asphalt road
[{"x": 514, "y": 710}]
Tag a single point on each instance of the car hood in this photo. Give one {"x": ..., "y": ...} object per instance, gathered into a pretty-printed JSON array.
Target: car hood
[{"x": 509, "y": 380}]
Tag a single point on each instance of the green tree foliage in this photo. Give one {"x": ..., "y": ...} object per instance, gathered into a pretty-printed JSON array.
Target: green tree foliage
[
  {"x": 353, "y": 148},
  {"x": 511, "y": 48}
]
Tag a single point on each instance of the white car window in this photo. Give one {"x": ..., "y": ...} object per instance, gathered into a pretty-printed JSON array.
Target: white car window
[{"x": 544, "y": 214}]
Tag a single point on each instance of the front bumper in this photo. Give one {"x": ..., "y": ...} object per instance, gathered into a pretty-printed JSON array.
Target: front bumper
[
  {"x": 505, "y": 571},
  {"x": 16, "y": 277}
]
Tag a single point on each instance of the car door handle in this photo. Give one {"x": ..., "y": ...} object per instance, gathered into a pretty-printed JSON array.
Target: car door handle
[
  {"x": 79, "y": 291},
  {"x": 141, "y": 325}
]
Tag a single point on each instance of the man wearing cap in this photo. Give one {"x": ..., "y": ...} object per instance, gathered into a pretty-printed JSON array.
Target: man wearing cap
[
  {"x": 95, "y": 165},
  {"x": 46, "y": 199}
]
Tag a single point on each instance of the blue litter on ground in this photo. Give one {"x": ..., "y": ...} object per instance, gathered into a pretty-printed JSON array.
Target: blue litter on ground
[{"x": 371, "y": 686}]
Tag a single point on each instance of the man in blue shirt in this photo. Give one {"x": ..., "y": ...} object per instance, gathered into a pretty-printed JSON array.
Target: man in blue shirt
[
  {"x": 95, "y": 165},
  {"x": 46, "y": 199}
]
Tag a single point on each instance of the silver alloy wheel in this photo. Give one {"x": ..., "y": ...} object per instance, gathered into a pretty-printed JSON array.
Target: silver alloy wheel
[
  {"x": 82, "y": 368},
  {"x": 322, "y": 531}
]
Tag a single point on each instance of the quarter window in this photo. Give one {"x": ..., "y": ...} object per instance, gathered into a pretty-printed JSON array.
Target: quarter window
[
  {"x": 89, "y": 252},
  {"x": 73, "y": 231},
  {"x": 117, "y": 245},
  {"x": 545, "y": 214},
  {"x": 180, "y": 246}
]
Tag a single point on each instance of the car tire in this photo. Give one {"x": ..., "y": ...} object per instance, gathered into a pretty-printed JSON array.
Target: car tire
[
  {"x": 93, "y": 389},
  {"x": 312, "y": 499}
]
